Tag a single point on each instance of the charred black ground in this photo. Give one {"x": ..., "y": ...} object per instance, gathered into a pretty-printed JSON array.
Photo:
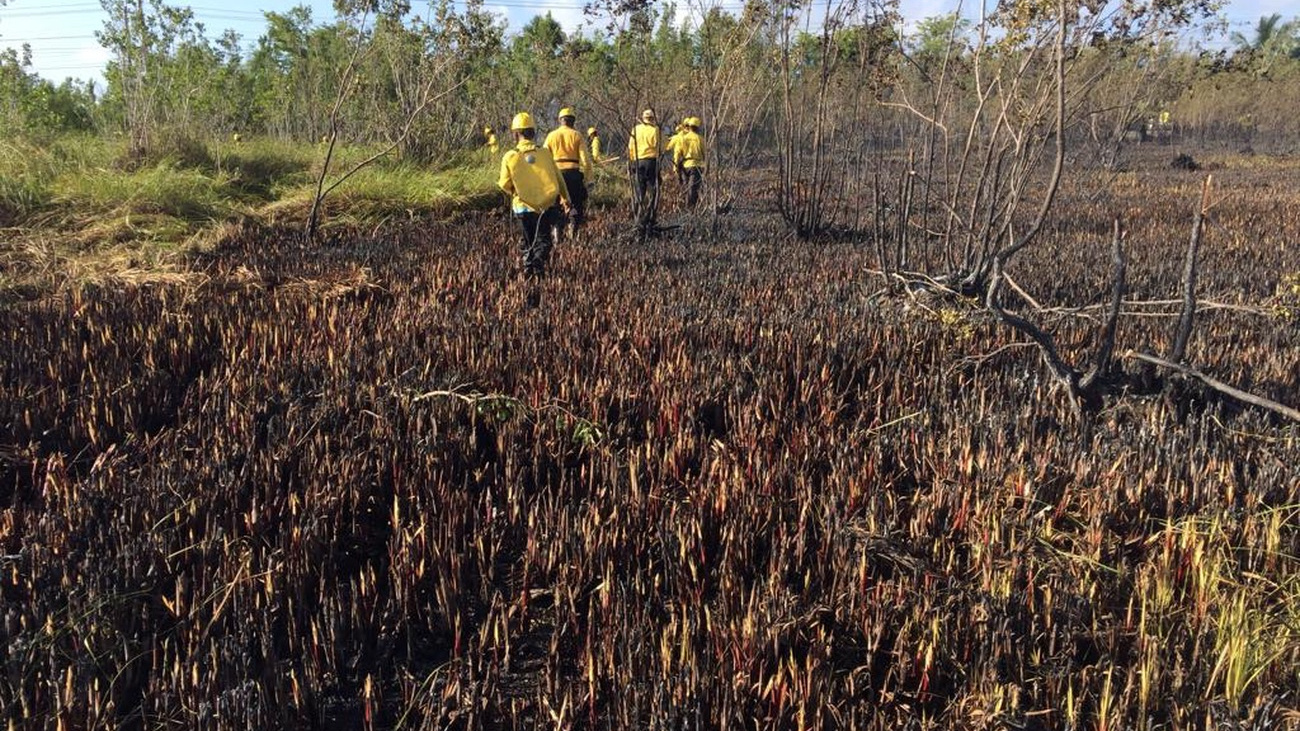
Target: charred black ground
[{"x": 708, "y": 481}]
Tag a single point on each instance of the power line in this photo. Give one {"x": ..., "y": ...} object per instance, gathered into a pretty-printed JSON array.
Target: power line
[
  {"x": 49, "y": 13},
  {"x": 57, "y": 50},
  {"x": 47, "y": 38},
  {"x": 78, "y": 4},
  {"x": 90, "y": 67}
]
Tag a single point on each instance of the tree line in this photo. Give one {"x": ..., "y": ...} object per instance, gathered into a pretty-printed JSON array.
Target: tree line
[{"x": 363, "y": 75}]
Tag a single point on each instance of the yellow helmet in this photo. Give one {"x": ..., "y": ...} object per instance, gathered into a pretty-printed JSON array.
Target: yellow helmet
[
  {"x": 522, "y": 120},
  {"x": 487, "y": 130},
  {"x": 567, "y": 112},
  {"x": 591, "y": 131},
  {"x": 693, "y": 121}
]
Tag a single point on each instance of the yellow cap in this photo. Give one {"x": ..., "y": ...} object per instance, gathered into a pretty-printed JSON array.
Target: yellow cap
[
  {"x": 567, "y": 112},
  {"x": 522, "y": 120},
  {"x": 591, "y": 130}
]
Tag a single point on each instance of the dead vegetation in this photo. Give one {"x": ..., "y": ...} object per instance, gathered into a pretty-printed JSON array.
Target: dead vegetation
[{"x": 706, "y": 483}]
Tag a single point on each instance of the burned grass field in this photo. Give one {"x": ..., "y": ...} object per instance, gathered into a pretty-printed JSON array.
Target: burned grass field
[{"x": 711, "y": 481}]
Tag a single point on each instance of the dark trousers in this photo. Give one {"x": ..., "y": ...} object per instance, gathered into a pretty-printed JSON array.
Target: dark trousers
[
  {"x": 536, "y": 248},
  {"x": 693, "y": 181},
  {"x": 575, "y": 181},
  {"x": 647, "y": 192}
]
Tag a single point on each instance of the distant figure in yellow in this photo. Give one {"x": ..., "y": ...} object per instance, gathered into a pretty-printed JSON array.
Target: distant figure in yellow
[
  {"x": 490, "y": 139},
  {"x": 529, "y": 175},
  {"x": 595, "y": 144},
  {"x": 688, "y": 158},
  {"x": 670, "y": 148},
  {"x": 570, "y": 152},
  {"x": 643, "y": 150}
]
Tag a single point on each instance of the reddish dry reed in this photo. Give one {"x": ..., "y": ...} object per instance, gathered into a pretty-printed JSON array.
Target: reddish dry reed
[{"x": 705, "y": 483}]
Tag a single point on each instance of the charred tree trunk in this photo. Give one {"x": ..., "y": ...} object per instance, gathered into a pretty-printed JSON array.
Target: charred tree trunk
[{"x": 1185, "y": 322}]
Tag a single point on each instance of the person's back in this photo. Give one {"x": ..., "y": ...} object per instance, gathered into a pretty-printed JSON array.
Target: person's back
[
  {"x": 689, "y": 151},
  {"x": 688, "y": 156},
  {"x": 529, "y": 174},
  {"x": 537, "y": 190},
  {"x": 644, "y": 142},
  {"x": 570, "y": 151},
  {"x": 643, "y": 150}
]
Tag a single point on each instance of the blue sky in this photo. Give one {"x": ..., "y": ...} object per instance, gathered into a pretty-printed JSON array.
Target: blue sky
[{"x": 62, "y": 32}]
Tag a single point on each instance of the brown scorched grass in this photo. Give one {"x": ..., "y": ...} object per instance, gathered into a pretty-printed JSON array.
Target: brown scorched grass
[{"x": 706, "y": 483}]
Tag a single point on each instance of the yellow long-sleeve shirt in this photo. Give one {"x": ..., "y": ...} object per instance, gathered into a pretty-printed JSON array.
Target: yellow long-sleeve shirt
[
  {"x": 689, "y": 150},
  {"x": 671, "y": 145},
  {"x": 529, "y": 175},
  {"x": 644, "y": 143},
  {"x": 569, "y": 150}
]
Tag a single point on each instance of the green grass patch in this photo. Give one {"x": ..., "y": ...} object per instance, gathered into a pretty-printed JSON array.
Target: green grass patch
[
  {"x": 381, "y": 191},
  {"x": 79, "y": 207},
  {"x": 186, "y": 194},
  {"x": 26, "y": 172},
  {"x": 264, "y": 169}
]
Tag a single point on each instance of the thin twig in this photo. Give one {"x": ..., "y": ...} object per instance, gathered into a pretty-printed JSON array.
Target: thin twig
[
  {"x": 1017, "y": 289},
  {"x": 979, "y": 360}
]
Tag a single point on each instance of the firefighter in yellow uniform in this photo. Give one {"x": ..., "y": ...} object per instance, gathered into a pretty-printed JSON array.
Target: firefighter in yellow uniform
[
  {"x": 670, "y": 149},
  {"x": 595, "y": 144},
  {"x": 529, "y": 175},
  {"x": 490, "y": 140},
  {"x": 569, "y": 149},
  {"x": 643, "y": 150},
  {"x": 688, "y": 158}
]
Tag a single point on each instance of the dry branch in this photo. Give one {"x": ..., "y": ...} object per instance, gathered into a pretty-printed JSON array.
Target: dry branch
[
  {"x": 1217, "y": 385},
  {"x": 1101, "y": 365},
  {"x": 1189, "y": 278}
]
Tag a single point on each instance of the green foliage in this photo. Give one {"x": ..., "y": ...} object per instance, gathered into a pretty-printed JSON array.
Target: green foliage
[
  {"x": 177, "y": 148},
  {"x": 264, "y": 168},
  {"x": 34, "y": 107},
  {"x": 404, "y": 189},
  {"x": 166, "y": 189},
  {"x": 76, "y": 188},
  {"x": 1273, "y": 42},
  {"x": 939, "y": 37},
  {"x": 541, "y": 38},
  {"x": 27, "y": 172}
]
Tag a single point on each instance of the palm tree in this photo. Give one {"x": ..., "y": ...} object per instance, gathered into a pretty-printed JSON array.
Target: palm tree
[
  {"x": 1272, "y": 39},
  {"x": 1265, "y": 32}
]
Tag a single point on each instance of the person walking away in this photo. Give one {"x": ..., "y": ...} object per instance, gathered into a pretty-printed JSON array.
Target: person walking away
[
  {"x": 595, "y": 144},
  {"x": 670, "y": 149},
  {"x": 688, "y": 158},
  {"x": 490, "y": 140},
  {"x": 537, "y": 190},
  {"x": 569, "y": 150},
  {"x": 643, "y": 150}
]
